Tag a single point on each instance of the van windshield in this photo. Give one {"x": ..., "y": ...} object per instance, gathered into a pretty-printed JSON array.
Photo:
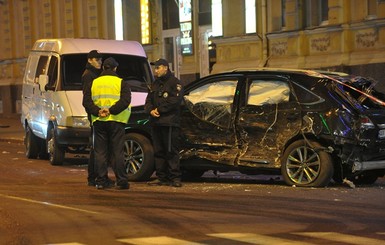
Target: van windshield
[{"x": 133, "y": 68}]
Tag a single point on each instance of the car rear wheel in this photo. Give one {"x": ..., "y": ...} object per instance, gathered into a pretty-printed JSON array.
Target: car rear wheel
[
  {"x": 138, "y": 157},
  {"x": 56, "y": 153},
  {"x": 305, "y": 165},
  {"x": 31, "y": 143}
]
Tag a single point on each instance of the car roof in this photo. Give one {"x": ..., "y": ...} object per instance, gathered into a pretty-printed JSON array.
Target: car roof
[
  {"x": 308, "y": 72},
  {"x": 83, "y": 45}
]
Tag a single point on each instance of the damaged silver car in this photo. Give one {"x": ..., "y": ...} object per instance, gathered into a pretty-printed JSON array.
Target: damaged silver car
[{"x": 312, "y": 127}]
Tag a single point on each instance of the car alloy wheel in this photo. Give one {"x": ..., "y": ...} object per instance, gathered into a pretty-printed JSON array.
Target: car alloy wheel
[{"x": 306, "y": 164}]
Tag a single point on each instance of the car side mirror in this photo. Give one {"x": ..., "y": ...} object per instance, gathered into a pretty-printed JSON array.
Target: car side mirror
[{"x": 43, "y": 81}]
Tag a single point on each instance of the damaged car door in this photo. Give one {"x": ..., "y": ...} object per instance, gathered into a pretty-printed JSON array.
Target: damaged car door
[
  {"x": 269, "y": 116},
  {"x": 207, "y": 124}
]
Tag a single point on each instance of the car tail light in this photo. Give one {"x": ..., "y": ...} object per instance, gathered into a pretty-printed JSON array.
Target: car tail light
[
  {"x": 381, "y": 132},
  {"x": 366, "y": 123}
]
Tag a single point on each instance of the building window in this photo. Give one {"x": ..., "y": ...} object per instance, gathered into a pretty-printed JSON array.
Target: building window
[
  {"x": 283, "y": 14},
  {"x": 372, "y": 9},
  {"x": 216, "y": 13},
  {"x": 170, "y": 14},
  {"x": 204, "y": 12},
  {"x": 118, "y": 20},
  {"x": 316, "y": 12},
  {"x": 250, "y": 13},
  {"x": 145, "y": 21}
]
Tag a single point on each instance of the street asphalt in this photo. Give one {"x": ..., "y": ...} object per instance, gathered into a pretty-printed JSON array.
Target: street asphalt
[{"x": 11, "y": 128}]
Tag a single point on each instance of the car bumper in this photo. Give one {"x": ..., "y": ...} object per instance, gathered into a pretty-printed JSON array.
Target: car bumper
[
  {"x": 73, "y": 136},
  {"x": 368, "y": 165}
]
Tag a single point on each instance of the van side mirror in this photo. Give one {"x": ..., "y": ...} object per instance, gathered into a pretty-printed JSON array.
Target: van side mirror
[{"x": 43, "y": 81}]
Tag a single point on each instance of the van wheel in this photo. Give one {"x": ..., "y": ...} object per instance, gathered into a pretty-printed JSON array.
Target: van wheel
[
  {"x": 55, "y": 152},
  {"x": 138, "y": 157},
  {"x": 304, "y": 165},
  {"x": 31, "y": 143}
]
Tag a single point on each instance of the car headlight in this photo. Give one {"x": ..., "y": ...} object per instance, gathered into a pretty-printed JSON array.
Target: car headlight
[{"x": 79, "y": 122}]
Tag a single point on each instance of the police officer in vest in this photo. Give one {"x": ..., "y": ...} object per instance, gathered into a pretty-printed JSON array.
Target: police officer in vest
[
  {"x": 110, "y": 112},
  {"x": 163, "y": 105}
]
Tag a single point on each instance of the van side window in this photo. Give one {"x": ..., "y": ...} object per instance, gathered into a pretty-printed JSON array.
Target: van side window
[
  {"x": 31, "y": 68},
  {"x": 41, "y": 67}
]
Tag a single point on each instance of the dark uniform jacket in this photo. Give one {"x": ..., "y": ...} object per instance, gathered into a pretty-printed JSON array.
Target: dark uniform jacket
[
  {"x": 119, "y": 106},
  {"x": 166, "y": 94},
  {"x": 88, "y": 76}
]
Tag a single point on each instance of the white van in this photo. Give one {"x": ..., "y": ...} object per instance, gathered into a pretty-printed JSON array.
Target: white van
[{"x": 53, "y": 117}]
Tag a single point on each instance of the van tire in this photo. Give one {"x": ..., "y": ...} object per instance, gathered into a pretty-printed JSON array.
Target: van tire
[
  {"x": 55, "y": 151},
  {"x": 138, "y": 157},
  {"x": 31, "y": 142}
]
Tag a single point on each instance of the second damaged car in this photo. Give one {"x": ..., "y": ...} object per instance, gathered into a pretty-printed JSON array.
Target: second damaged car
[{"x": 312, "y": 127}]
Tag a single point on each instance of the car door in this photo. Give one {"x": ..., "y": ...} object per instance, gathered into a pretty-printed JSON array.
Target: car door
[
  {"x": 269, "y": 115},
  {"x": 39, "y": 98},
  {"x": 207, "y": 121},
  {"x": 51, "y": 106}
]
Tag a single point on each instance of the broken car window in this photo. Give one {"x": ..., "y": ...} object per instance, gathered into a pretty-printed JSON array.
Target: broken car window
[
  {"x": 213, "y": 102},
  {"x": 362, "y": 90},
  {"x": 268, "y": 92},
  {"x": 305, "y": 96}
]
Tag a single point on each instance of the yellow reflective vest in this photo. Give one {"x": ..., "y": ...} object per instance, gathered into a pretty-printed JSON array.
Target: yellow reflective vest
[{"x": 105, "y": 93}]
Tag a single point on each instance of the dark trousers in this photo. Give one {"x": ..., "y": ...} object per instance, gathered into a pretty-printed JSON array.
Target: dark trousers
[
  {"x": 166, "y": 152},
  {"x": 91, "y": 161},
  {"x": 109, "y": 141}
]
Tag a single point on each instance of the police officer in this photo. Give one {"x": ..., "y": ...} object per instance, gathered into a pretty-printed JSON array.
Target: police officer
[
  {"x": 163, "y": 105},
  {"x": 110, "y": 111},
  {"x": 92, "y": 71}
]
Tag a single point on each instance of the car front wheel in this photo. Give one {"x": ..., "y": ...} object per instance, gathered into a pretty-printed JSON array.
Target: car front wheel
[
  {"x": 138, "y": 157},
  {"x": 306, "y": 165},
  {"x": 31, "y": 143}
]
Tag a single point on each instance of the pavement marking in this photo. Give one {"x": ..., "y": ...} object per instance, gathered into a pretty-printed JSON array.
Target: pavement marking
[
  {"x": 257, "y": 239},
  {"x": 249, "y": 238},
  {"x": 69, "y": 243},
  {"x": 159, "y": 240},
  {"x": 338, "y": 237},
  {"x": 48, "y": 204}
]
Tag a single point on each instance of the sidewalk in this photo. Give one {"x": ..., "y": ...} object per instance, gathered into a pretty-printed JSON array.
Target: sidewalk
[{"x": 11, "y": 128}]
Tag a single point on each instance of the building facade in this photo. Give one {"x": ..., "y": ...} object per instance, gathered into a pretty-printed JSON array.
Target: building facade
[{"x": 199, "y": 37}]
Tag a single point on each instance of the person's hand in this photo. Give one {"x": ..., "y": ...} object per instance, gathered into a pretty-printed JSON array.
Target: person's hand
[
  {"x": 104, "y": 112},
  {"x": 155, "y": 113}
]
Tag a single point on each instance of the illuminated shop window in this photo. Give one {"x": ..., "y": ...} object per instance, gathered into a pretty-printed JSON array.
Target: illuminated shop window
[
  {"x": 145, "y": 21},
  {"x": 216, "y": 11},
  {"x": 250, "y": 13},
  {"x": 118, "y": 20}
]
